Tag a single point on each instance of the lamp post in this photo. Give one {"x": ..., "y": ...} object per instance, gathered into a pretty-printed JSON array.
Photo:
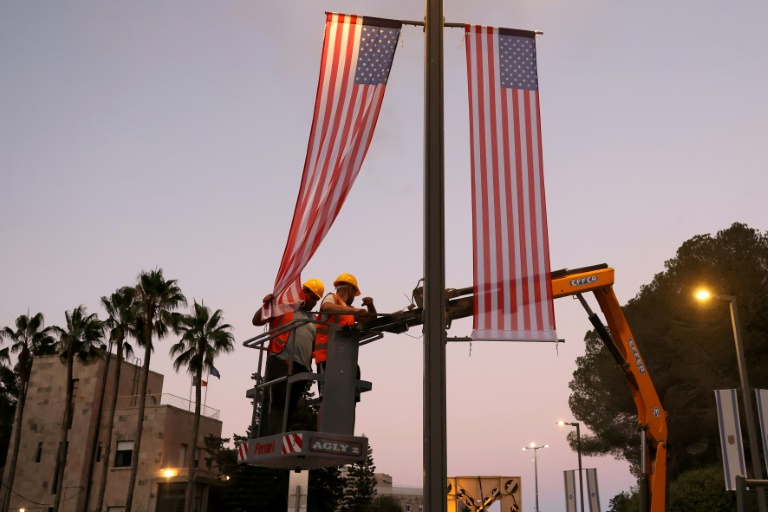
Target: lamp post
[
  {"x": 755, "y": 456},
  {"x": 536, "y": 449},
  {"x": 578, "y": 453}
]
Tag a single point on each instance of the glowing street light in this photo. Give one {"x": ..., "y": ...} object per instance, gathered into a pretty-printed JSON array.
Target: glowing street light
[
  {"x": 169, "y": 472},
  {"x": 535, "y": 449},
  {"x": 757, "y": 470},
  {"x": 578, "y": 453}
]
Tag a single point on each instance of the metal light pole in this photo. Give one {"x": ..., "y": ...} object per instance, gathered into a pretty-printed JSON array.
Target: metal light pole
[
  {"x": 751, "y": 433},
  {"x": 578, "y": 453},
  {"x": 536, "y": 449},
  {"x": 435, "y": 457}
]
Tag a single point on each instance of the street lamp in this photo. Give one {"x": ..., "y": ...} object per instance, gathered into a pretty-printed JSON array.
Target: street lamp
[
  {"x": 757, "y": 470},
  {"x": 578, "y": 453},
  {"x": 536, "y": 449}
]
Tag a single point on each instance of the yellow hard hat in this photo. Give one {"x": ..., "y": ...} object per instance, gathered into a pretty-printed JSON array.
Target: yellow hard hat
[
  {"x": 316, "y": 286},
  {"x": 349, "y": 279}
]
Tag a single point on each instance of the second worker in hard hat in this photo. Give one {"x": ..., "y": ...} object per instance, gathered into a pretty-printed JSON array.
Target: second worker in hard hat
[
  {"x": 337, "y": 308},
  {"x": 280, "y": 350}
]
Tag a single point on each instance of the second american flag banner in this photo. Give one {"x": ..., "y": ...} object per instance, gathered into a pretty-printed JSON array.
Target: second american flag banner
[
  {"x": 356, "y": 60},
  {"x": 513, "y": 293}
]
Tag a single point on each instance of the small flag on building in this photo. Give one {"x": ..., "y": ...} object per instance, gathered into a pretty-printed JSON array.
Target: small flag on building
[
  {"x": 215, "y": 372},
  {"x": 730, "y": 436},
  {"x": 570, "y": 490}
]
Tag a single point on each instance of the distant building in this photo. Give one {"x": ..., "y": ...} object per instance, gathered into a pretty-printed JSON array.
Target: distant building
[
  {"x": 165, "y": 451},
  {"x": 410, "y": 499}
]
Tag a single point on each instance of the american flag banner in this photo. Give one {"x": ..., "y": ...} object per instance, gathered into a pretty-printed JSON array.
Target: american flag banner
[
  {"x": 357, "y": 57},
  {"x": 512, "y": 281}
]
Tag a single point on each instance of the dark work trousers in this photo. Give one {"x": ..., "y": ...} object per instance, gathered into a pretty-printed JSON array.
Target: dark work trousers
[{"x": 274, "y": 398}]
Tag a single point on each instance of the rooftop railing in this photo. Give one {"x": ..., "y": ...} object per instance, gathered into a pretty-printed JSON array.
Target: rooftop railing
[{"x": 160, "y": 399}]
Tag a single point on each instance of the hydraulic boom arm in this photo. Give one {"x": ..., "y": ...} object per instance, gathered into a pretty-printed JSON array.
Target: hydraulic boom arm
[{"x": 599, "y": 279}]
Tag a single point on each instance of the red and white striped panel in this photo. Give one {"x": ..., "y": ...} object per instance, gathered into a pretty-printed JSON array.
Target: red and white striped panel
[
  {"x": 242, "y": 451},
  {"x": 292, "y": 443}
]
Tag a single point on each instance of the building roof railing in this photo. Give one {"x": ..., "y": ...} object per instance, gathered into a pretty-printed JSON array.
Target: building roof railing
[{"x": 160, "y": 399}]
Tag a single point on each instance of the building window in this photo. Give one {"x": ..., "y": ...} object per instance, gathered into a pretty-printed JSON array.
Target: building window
[
  {"x": 197, "y": 457},
  {"x": 183, "y": 456},
  {"x": 407, "y": 508},
  {"x": 124, "y": 454},
  {"x": 421, "y": 508},
  {"x": 39, "y": 453},
  {"x": 98, "y": 452}
]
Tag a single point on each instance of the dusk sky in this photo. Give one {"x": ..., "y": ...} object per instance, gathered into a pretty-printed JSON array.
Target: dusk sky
[{"x": 137, "y": 135}]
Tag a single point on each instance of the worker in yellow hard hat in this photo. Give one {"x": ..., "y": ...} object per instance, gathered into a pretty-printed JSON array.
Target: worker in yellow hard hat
[
  {"x": 337, "y": 308},
  {"x": 281, "y": 348}
]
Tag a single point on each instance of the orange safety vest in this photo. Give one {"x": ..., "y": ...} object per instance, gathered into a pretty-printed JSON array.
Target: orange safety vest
[
  {"x": 320, "y": 352},
  {"x": 277, "y": 344}
]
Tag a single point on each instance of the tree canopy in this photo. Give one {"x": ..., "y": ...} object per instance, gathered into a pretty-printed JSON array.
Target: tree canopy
[{"x": 688, "y": 348}]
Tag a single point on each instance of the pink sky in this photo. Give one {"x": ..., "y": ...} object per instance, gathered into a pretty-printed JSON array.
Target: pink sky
[{"x": 136, "y": 135}]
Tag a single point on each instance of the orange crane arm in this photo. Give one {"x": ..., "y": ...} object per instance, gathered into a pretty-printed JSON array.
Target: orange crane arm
[
  {"x": 651, "y": 416},
  {"x": 598, "y": 279}
]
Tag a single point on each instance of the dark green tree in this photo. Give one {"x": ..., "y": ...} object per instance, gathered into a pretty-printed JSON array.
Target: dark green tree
[
  {"x": 157, "y": 299},
  {"x": 30, "y": 338},
  {"x": 625, "y": 501},
  {"x": 9, "y": 395},
  {"x": 121, "y": 324},
  {"x": 702, "y": 489},
  {"x": 247, "y": 487},
  {"x": 204, "y": 337},
  {"x": 359, "y": 485},
  {"x": 77, "y": 340},
  {"x": 385, "y": 504},
  {"x": 688, "y": 349}
]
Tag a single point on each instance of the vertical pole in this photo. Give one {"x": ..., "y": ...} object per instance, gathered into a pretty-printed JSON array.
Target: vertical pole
[
  {"x": 578, "y": 451},
  {"x": 435, "y": 459},
  {"x": 753, "y": 449},
  {"x": 740, "y": 494},
  {"x": 536, "y": 475},
  {"x": 643, "y": 484}
]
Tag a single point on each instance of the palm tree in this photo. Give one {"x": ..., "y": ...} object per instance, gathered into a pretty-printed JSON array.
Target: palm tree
[
  {"x": 204, "y": 337},
  {"x": 29, "y": 339},
  {"x": 77, "y": 340},
  {"x": 156, "y": 300},
  {"x": 121, "y": 308}
]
